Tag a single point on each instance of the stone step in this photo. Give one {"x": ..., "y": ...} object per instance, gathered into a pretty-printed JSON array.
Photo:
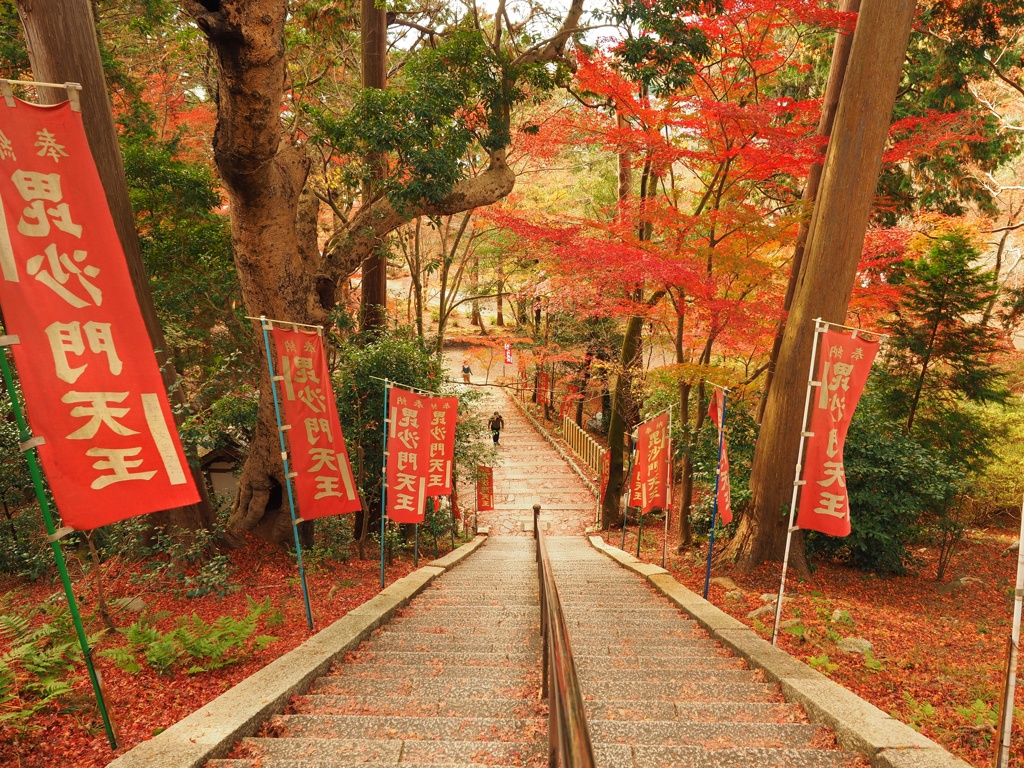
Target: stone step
[
  {"x": 466, "y": 688},
  {"x": 624, "y": 756},
  {"x": 419, "y": 642},
  {"x": 661, "y": 667},
  {"x": 422, "y": 728},
  {"x": 708, "y": 735},
  {"x": 373, "y": 670},
  {"x": 693, "y": 712},
  {"x": 421, "y": 658},
  {"x": 657, "y": 678},
  {"x": 302, "y": 762},
  {"x": 696, "y": 691},
  {"x": 419, "y": 706},
  {"x": 354, "y": 751}
]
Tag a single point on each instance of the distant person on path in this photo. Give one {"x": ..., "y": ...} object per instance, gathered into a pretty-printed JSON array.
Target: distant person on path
[
  {"x": 466, "y": 371},
  {"x": 496, "y": 424}
]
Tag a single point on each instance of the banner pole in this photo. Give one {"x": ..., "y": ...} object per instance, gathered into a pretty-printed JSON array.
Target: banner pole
[
  {"x": 416, "y": 545},
  {"x": 287, "y": 472},
  {"x": 639, "y": 531},
  {"x": 714, "y": 503},
  {"x": 668, "y": 490},
  {"x": 434, "y": 506},
  {"x": 25, "y": 438},
  {"x": 451, "y": 509},
  {"x": 629, "y": 492},
  {"x": 1009, "y": 687},
  {"x": 819, "y": 328},
  {"x": 384, "y": 477}
]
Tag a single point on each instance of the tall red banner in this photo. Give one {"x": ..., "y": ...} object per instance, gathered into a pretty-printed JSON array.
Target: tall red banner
[
  {"x": 572, "y": 396},
  {"x": 440, "y": 444},
  {"x": 844, "y": 363},
  {"x": 484, "y": 489},
  {"x": 508, "y": 354},
  {"x": 715, "y": 409},
  {"x": 650, "y": 478},
  {"x": 606, "y": 471},
  {"x": 91, "y": 383},
  {"x": 323, "y": 475},
  {"x": 543, "y": 387},
  {"x": 407, "y": 455}
]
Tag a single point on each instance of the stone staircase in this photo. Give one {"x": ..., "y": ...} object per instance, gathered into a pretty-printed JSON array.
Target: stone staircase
[
  {"x": 454, "y": 680},
  {"x": 660, "y": 692}
]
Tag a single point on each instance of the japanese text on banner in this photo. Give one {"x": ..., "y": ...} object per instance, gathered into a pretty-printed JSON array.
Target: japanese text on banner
[
  {"x": 90, "y": 379},
  {"x": 323, "y": 481},
  {"x": 407, "y": 449},
  {"x": 650, "y": 478},
  {"x": 484, "y": 489},
  {"x": 715, "y": 409},
  {"x": 843, "y": 366},
  {"x": 440, "y": 444}
]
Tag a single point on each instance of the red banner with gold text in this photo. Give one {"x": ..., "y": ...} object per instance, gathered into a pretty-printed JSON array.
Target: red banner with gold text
[
  {"x": 715, "y": 409},
  {"x": 407, "y": 454},
  {"x": 650, "y": 483},
  {"x": 323, "y": 475},
  {"x": 440, "y": 444},
  {"x": 91, "y": 383},
  {"x": 543, "y": 387},
  {"x": 484, "y": 489},
  {"x": 844, "y": 363}
]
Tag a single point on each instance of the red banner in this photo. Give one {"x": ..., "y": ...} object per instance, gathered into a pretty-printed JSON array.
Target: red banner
[
  {"x": 91, "y": 383},
  {"x": 440, "y": 444},
  {"x": 508, "y": 354},
  {"x": 406, "y": 446},
  {"x": 606, "y": 471},
  {"x": 484, "y": 489},
  {"x": 715, "y": 410},
  {"x": 651, "y": 470},
  {"x": 323, "y": 475},
  {"x": 843, "y": 366},
  {"x": 543, "y": 387},
  {"x": 572, "y": 396}
]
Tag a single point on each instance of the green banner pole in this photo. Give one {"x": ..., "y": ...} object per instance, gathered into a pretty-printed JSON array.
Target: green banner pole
[{"x": 28, "y": 447}]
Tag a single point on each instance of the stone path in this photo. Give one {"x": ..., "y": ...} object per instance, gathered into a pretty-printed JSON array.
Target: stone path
[
  {"x": 529, "y": 472},
  {"x": 452, "y": 681}
]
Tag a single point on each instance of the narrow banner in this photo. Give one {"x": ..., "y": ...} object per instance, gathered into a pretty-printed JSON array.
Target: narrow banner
[
  {"x": 844, "y": 363},
  {"x": 569, "y": 400},
  {"x": 543, "y": 387},
  {"x": 440, "y": 444},
  {"x": 650, "y": 478},
  {"x": 606, "y": 471},
  {"x": 484, "y": 489},
  {"x": 406, "y": 446},
  {"x": 508, "y": 354},
  {"x": 91, "y": 383},
  {"x": 323, "y": 475},
  {"x": 715, "y": 408}
]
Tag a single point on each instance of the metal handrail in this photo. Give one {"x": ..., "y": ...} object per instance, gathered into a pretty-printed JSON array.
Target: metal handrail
[{"x": 568, "y": 734}]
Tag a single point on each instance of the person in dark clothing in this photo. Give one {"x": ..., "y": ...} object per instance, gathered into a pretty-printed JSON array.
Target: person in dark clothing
[{"x": 496, "y": 424}]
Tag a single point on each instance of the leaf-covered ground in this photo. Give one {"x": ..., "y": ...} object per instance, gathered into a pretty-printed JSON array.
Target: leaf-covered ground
[
  {"x": 143, "y": 705},
  {"x": 938, "y": 650}
]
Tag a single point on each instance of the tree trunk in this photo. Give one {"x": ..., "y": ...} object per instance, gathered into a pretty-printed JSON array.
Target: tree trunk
[
  {"x": 63, "y": 47},
  {"x": 474, "y": 287},
  {"x": 622, "y": 419},
  {"x": 588, "y": 363},
  {"x": 264, "y": 175},
  {"x": 500, "y": 319},
  {"x": 830, "y": 104},
  {"x": 834, "y": 245},
  {"x": 373, "y": 35}
]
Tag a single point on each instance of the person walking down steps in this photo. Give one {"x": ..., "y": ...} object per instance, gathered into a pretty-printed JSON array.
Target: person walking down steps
[
  {"x": 466, "y": 371},
  {"x": 496, "y": 424}
]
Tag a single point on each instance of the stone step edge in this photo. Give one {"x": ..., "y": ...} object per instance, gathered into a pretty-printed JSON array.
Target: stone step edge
[
  {"x": 212, "y": 730},
  {"x": 859, "y": 726}
]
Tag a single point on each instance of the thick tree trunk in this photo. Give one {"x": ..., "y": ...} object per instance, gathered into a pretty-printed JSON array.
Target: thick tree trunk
[
  {"x": 830, "y": 104},
  {"x": 834, "y": 247},
  {"x": 63, "y": 47},
  {"x": 621, "y": 422},
  {"x": 264, "y": 176},
  {"x": 373, "y": 34}
]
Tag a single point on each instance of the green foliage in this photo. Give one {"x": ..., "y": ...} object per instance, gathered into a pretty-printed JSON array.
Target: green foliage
[
  {"x": 822, "y": 664},
  {"x": 201, "y": 646},
  {"x": 979, "y": 713},
  {"x": 920, "y": 711},
  {"x": 871, "y": 662},
  {"x": 190, "y": 560},
  {"x": 663, "y": 56},
  {"x": 40, "y": 669},
  {"x": 14, "y": 63},
  {"x": 895, "y": 484},
  {"x": 939, "y": 351}
]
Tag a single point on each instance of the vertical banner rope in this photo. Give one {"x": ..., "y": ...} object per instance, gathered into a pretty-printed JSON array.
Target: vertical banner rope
[
  {"x": 819, "y": 328},
  {"x": 1005, "y": 727},
  {"x": 266, "y": 325},
  {"x": 54, "y": 538},
  {"x": 384, "y": 477},
  {"x": 714, "y": 504}
]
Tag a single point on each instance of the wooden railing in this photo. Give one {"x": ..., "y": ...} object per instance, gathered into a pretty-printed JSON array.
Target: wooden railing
[
  {"x": 569, "y": 743},
  {"x": 582, "y": 444}
]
